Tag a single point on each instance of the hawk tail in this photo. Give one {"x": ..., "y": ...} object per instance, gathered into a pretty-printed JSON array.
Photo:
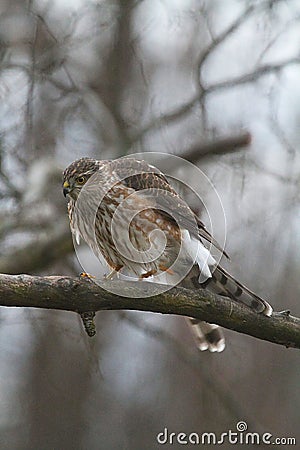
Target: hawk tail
[
  {"x": 225, "y": 284},
  {"x": 222, "y": 283},
  {"x": 209, "y": 336}
]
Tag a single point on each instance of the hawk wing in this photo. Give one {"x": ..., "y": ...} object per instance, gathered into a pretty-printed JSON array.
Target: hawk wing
[{"x": 139, "y": 175}]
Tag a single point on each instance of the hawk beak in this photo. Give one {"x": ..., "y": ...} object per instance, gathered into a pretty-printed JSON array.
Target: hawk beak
[
  {"x": 66, "y": 191},
  {"x": 66, "y": 188}
]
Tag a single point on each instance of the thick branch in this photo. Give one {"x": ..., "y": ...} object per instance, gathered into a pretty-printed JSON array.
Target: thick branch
[{"x": 78, "y": 294}]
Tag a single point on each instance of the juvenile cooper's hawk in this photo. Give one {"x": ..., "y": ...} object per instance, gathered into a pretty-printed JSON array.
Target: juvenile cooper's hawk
[{"x": 149, "y": 204}]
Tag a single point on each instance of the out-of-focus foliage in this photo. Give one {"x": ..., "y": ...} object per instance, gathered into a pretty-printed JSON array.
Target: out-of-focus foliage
[{"x": 106, "y": 78}]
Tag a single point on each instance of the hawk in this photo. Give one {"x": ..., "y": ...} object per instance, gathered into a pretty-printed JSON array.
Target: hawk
[{"x": 132, "y": 198}]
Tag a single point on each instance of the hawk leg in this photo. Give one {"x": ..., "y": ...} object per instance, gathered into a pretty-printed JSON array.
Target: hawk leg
[
  {"x": 115, "y": 269},
  {"x": 166, "y": 269},
  {"x": 147, "y": 274}
]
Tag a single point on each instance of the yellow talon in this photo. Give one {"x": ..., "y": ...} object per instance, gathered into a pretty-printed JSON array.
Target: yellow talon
[
  {"x": 86, "y": 275},
  {"x": 147, "y": 274}
]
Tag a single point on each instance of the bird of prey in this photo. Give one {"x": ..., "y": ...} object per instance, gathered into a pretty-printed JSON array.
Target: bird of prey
[{"x": 135, "y": 199}]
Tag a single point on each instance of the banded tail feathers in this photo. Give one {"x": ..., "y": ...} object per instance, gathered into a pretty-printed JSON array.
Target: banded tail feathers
[{"x": 209, "y": 336}]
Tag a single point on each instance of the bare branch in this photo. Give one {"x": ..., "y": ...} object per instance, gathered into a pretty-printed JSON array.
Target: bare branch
[
  {"x": 200, "y": 151},
  {"x": 186, "y": 108},
  {"x": 81, "y": 295},
  {"x": 252, "y": 76},
  {"x": 218, "y": 147},
  {"x": 166, "y": 119},
  {"x": 223, "y": 36},
  {"x": 31, "y": 88}
]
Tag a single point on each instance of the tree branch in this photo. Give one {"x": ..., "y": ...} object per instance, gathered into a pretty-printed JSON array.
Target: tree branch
[
  {"x": 220, "y": 146},
  {"x": 224, "y": 35},
  {"x": 239, "y": 80},
  {"x": 80, "y": 295}
]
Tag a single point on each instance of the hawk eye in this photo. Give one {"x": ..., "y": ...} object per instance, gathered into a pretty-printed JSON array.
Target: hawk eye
[{"x": 81, "y": 180}]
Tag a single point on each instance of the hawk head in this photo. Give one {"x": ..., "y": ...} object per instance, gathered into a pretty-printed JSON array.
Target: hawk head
[{"x": 76, "y": 175}]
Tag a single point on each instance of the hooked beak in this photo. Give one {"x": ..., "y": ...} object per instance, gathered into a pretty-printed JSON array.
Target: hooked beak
[{"x": 66, "y": 188}]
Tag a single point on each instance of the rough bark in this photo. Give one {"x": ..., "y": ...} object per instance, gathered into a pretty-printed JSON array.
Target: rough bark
[{"x": 80, "y": 295}]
